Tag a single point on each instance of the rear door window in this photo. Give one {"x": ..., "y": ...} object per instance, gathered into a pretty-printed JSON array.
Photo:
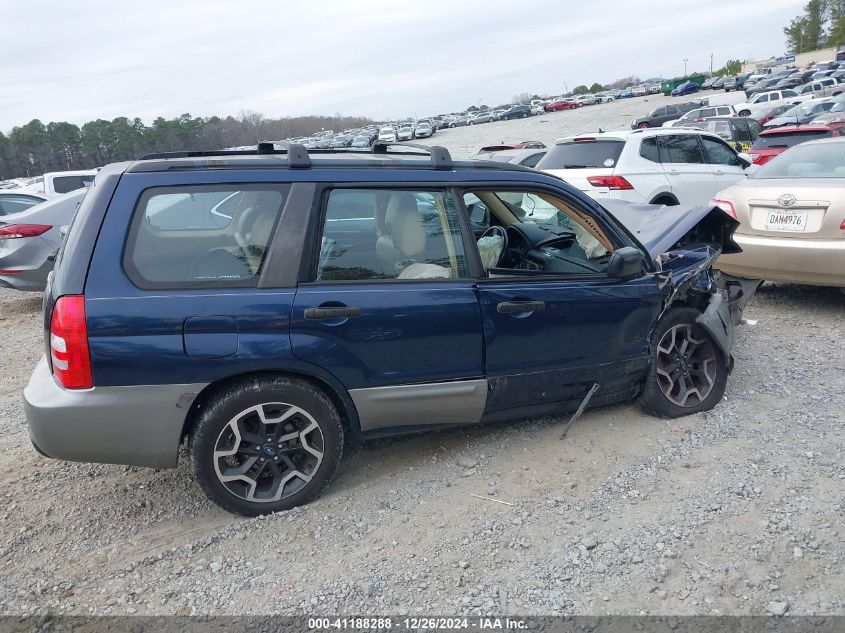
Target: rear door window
[
  {"x": 583, "y": 154},
  {"x": 680, "y": 148},
  {"x": 380, "y": 234},
  {"x": 202, "y": 235}
]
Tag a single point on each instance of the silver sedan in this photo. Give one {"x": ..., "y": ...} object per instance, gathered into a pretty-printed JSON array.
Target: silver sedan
[{"x": 29, "y": 240}]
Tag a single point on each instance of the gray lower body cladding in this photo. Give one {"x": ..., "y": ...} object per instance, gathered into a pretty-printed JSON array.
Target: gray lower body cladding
[
  {"x": 457, "y": 402},
  {"x": 137, "y": 425}
]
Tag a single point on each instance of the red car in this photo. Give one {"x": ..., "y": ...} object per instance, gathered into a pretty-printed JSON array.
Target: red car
[
  {"x": 560, "y": 105},
  {"x": 772, "y": 142}
]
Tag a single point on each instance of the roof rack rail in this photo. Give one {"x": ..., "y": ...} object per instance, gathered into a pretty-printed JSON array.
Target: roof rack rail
[
  {"x": 296, "y": 153},
  {"x": 298, "y": 156},
  {"x": 440, "y": 157}
]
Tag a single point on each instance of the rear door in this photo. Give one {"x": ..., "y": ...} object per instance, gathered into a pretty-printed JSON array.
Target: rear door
[
  {"x": 390, "y": 310},
  {"x": 690, "y": 177}
]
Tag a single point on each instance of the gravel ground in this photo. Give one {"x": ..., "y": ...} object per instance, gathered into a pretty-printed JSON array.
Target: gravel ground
[{"x": 737, "y": 511}]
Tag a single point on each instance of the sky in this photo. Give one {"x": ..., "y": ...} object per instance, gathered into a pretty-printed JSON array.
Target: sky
[{"x": 83, "y": 60}]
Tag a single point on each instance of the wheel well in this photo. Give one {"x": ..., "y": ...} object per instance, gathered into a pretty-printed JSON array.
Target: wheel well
[
  {"x": 665, "y": 198},
  {"x": 347, "y": 413}
]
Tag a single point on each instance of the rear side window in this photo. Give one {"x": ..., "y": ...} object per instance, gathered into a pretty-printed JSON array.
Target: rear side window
[
  {"x": 373, "y": 234},
  {"x": 788, "y": 139},
  {"x": 196, "y": 236},
  {"x": 583, "y": 154},
  {"x": 680, "y": 148},
  {"x": 648, "y": 150}
]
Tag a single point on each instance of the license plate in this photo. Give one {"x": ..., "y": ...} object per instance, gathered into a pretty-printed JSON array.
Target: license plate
[{"x": 786, "y": 220}]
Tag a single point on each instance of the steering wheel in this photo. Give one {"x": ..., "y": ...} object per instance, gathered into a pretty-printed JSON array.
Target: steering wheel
[{"x": 497, "y": 230}]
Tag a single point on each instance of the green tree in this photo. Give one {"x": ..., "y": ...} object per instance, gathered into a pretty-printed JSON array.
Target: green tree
[
  {"x": 596, "y": 87},
  {"x": 836, "y": 31},
  {"x": 580, "y": 90},
  {"x": 732, "y": 67},
  {"x": 807, "y": 32}
]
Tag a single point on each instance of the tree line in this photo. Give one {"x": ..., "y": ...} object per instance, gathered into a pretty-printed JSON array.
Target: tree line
[
  {"x": 36, "y": 148},
  {"x": 822, "y": 24}
]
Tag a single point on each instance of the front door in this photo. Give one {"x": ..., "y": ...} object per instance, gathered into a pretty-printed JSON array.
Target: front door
[
  {"x": 549, "y": 334},
  {"x": 391, "y": 310}
]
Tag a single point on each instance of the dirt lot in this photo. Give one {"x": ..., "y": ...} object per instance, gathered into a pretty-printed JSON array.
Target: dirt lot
[{"x": 737, "y": 511}]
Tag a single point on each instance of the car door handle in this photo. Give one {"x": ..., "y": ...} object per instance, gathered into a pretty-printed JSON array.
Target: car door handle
[
  {"x": 325, "y": 314},
  {"x": 719, "y": 172},
  {"x": 672, "y": 172},
  {"x": 519, "y": 307}
]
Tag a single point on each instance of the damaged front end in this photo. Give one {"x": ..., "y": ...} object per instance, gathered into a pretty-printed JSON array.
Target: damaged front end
[{"x": 684, "y": 243}]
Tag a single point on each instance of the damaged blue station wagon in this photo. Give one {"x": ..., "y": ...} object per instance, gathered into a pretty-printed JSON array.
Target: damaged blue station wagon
[{"x": 262, "y": 304}]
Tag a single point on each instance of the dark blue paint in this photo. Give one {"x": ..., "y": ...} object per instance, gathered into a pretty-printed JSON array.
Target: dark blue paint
[
  {"x": 587, "y": 324},
  {"x": 408, "y": 332}
]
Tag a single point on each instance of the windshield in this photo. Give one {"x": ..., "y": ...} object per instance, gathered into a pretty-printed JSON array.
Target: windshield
[
  {"x": 820, "y": 160},
  {"x": 788, "y": 139},
  {"x": 585, "y": 154}
]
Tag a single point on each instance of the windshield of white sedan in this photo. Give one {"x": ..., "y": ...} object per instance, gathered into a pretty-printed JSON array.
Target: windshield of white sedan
[{"x": 825, "y": 160}]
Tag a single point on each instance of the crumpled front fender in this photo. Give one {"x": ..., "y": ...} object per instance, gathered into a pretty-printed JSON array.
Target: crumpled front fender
[{"x": 718, "y": 321}]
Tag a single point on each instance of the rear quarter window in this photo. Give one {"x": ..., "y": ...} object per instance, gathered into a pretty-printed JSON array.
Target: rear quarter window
[
  {"x": 201, "y": 235},
  {"x": 583, "y": 154}
]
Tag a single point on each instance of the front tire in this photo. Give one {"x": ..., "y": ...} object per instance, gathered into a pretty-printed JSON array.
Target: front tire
[
  {"x": 687, "y": 373},
  {"x": 745, "y": 113},
  {"x": 266, "y": 444}
]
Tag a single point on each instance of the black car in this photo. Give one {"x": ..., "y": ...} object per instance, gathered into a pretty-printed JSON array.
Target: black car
[
  {"x": 793, "y": 81},
  {"x": 665, "y": 113},
  {"x": 516, "y": 112},
  {"x": 739, "y": 84},
  {"x": 737, "y": 131}
]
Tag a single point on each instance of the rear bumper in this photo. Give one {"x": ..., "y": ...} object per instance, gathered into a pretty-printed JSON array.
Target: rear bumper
[
  {"x": 138, "y": 425},
  {"x": 30, "y": 259},
  {"x": 787, "y": 259}
]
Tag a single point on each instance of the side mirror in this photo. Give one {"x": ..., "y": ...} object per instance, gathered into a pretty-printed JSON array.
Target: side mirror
[
  {"x": 745, "y": 160},
  {"x": 624, "y": 263}
]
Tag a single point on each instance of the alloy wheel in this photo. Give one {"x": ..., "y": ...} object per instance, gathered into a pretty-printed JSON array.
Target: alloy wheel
[
  {"x": 268, "y": 452},
  {"x": 686, "y": 365}
]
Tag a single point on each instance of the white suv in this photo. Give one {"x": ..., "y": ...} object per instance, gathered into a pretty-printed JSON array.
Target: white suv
[
  {"x": 656, "y": 165},
  {"x": 763, "y": 100}
]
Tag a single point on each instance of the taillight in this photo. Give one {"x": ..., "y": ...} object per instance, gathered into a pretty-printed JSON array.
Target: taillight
[
  {"x": 12, "y": 231},
  {"x": 69, "y": 343},
  {"x": 725, "y": 205},
  {"x": 611, "y": 182},
  {"x": 842, "y": 226}
]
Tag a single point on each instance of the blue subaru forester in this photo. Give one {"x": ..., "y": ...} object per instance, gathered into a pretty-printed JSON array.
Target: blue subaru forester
[{"x": 262, "y": 304}]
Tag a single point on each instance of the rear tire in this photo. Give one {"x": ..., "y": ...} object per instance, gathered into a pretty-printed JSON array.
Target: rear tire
[
  {"x": 687, "y": 373},
  {"x": 643, "y": 126},
  {"x": 266, "y": 444}
]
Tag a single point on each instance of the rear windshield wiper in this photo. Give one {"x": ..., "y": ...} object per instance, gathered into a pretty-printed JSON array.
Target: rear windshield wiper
[{"x": 575, "y": 167}]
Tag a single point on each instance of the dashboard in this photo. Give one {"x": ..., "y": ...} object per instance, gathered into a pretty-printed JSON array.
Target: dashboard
[{"x": 548, "y": 249}]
